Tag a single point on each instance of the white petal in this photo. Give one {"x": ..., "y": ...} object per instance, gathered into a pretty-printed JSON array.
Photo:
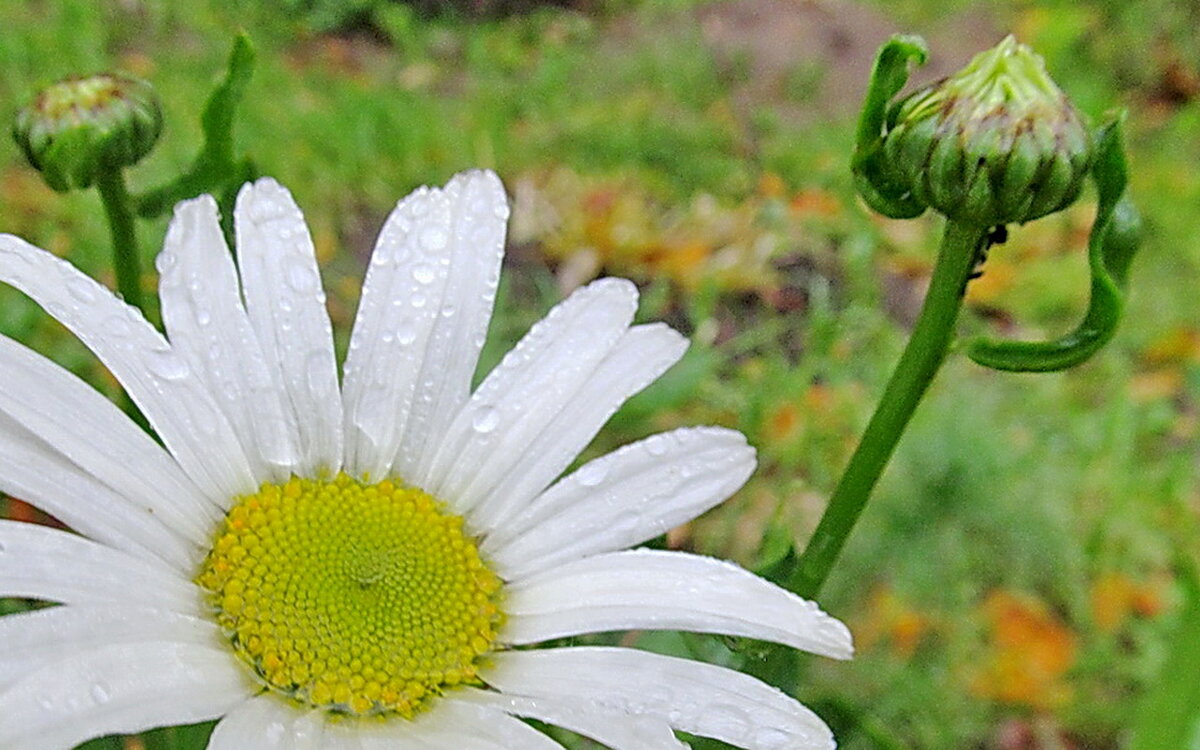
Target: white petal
[
  {"x": 266, "y": 722},
  {"x": 85, "y": 427},
  {"x": 642, "y": 354},
  {"x": 421, "y": 321},
  {"x": 451, "y": 724},
  {"x": 157, "y": 378},
  {"x": 37, "y": 562},
  {"x": 30, "y": 640},
  {"x": 33, "y": 471},
  {"x": 286, "y": 304},
  {"x": 122, "y": 688},
  {"x": 666, "y": 591},
  {"x": 527, "y": 390},
  {"x": 203, "y": 314},
  {"x": 619, "y": 731},
  {"x": 624, "y": 498},
  {"x": 694, "y": 697}
]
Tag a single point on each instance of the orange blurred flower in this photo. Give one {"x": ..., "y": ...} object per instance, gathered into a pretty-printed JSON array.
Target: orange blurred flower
[
  {"x": 1030, "y": 652},
  {"x": 1115, "y": 597},
  {"x": 892, "y": 621}
]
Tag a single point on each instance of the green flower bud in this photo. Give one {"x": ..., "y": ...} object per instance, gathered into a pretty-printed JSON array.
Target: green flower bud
[
  {"x": 75, "y": 128},
  {"x": 996, "y": 143}
]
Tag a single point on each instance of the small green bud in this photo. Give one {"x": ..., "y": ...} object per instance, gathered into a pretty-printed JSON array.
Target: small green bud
[
  {"x": 996, "y": 143},
  {"x": 75, "y": 128}
]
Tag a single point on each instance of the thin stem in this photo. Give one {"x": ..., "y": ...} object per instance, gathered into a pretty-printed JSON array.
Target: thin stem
[
  {"x": 126, "y": 259},
  {"x": 917, "y": 366}
]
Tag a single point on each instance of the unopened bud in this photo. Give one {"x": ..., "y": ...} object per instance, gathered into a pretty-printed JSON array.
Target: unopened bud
[
  {"x": 75, "y": 128},
  {"x": 996, "y": 143}
]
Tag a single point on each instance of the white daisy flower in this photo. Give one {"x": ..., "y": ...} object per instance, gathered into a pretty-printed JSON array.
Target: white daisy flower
[{"x": 363, "y": 564}]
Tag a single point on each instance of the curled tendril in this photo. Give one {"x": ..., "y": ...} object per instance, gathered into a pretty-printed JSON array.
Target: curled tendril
[
  {"x": 888, "y": 76},
  {"x": 1115, "y": 236}
]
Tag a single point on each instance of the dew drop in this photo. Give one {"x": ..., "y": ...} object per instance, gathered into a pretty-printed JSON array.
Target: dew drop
[
  {"x": 300, "y": 277},
  {"x": 318, "y": 372},
  {"x": 434, "y": 238},
  {"x": 626, "y": 523},
  {"x": 117, "y": 326},
  {"x": 274, "y": 733},
  {"x": 486, "y": 419},
  {"x": 656, "y": 446},
  {"x": 406, "y": 332},
  {"x": 81, "y": 289},
  {"x": 424, "y": 273},
  {"x": 203, "y": 316},
  {"x": 167, "y": 365},
  {"x": 770, "y": 738},
  {"x": 100, "y": 693},
  {"x": 591, "y": 474},
  {"x": 165, "y": 262},
  {"x": 418, "y": 300}
]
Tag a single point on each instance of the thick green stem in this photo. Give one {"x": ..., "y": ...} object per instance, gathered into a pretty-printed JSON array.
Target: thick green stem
[
  {"x": 126, "y": 259},
  {"x": 918, "y": 364}
]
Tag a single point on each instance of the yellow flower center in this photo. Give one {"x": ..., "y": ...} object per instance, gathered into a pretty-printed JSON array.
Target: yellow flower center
[{"x": 358, "y": 598}]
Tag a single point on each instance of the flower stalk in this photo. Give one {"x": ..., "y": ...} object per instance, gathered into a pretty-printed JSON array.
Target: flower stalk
[
  {"x": 996, "y": 144},
  {"x": 922, "y": 357}
]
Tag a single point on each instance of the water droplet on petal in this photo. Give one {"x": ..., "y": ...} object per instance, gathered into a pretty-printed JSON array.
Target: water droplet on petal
[
  {"x": 406, "y": 332},
  {"x": 274, "y": 733},
  {"x": 486, "y": 419},
  {"x": 301, "y": 277},
  {"x": 100, "y": 693},
  {"x": 770, "y": 738},
  {"x": 434, "y": 238},
  {"x": 320, "y": 383},
  {"x": 118, "y": 327},
  {"x": 167, "y": 364},
  {"x": 82, "y": 289},
  {"x": 424, "y": 273},
  {"x": 591, "y": 474},
  {"x": 656, "y": 445}
]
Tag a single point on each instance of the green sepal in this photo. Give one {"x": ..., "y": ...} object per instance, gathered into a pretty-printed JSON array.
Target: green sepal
[
  {"x": 215, "y": 169},
  {"x": 1115, "y": 236},
  {"x": 882, "y": 193}
]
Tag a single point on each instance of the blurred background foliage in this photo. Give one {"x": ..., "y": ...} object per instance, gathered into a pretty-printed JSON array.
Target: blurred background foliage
[{"x": 1013, "y": 585}]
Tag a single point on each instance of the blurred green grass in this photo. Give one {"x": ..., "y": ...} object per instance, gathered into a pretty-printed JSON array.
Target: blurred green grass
[{"x": 631, "y": 146}]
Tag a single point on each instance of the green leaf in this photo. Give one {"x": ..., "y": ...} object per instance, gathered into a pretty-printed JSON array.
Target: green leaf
[
  {"x": 887, "y": 78},
  {"x": 215, "y": 169},
  {"x": 190, "y": 737},
  {"x": 1116, "y": 234},
  {"x": 1169, "y": 716}
]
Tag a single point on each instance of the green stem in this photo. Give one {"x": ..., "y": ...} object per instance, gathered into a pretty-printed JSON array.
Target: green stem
[
  {"x": 126, "y": 260},
  {"x": 918, "y": 364}
]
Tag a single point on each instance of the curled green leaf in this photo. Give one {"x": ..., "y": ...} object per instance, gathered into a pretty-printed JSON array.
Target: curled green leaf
[
  {"x": 215, "y": 169},
  {"x": 1115, "y": 236},
  {"x": 888, "y": 76}
]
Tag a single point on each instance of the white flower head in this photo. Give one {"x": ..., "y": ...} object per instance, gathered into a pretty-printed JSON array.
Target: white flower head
[{"x": 361, "y": 564}]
